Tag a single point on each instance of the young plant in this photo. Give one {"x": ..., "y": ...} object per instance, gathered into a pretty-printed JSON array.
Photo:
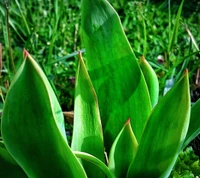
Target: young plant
[{"x": 117, "y": 112}]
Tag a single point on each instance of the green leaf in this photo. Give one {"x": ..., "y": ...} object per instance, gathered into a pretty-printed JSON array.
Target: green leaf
[
  {"x": 95, "y": 161},
  {"x": 120, "y": 86},
  {"x": 9, "y": 167},
  {"x": 87, "y": 131},
  {"x": 151, "y": 80},
  {"x": 33, "y": 127},
  {"x": 123, "y": 151},
  {"x": 194, "y": 127},
  {"x": 174, "y": 36},
  {"x": 164, "y": 134}
]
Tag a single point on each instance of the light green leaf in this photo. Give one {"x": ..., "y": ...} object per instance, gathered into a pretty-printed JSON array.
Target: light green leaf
[
  {"x": 194, "y": 127},
  {"x": 164, "y": 134},
  {"x": 95, "y": 161},
  {"x": 9, "y": 167},
  {"x": 118, "y": 81},
  {"x": 151, "y": 80},
  {"x": 123, "y": 151},
  {"x": 33, "y": 127},
  {"x": 87, "y": 131}
]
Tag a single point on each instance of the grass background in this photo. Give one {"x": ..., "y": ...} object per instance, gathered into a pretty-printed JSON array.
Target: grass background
[{"x": 50, "y": 31}]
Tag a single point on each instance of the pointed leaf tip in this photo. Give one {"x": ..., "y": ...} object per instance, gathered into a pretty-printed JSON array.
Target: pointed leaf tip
[
  {"x": 123, "y": 151},
  {"x": 41, "y": 111},
  {"x": 25, "y": 53},
  {"x": 128, "y": 121},
  {"x": 143, "y": 58}
]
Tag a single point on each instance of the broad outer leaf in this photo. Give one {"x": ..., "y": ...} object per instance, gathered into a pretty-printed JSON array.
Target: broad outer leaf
[
  {"x": 118, "y": 81},
  {"x": 123, "y": 151},
  {"x": 87, "y": 130},
  {"x": 32, "y": 126},
  {"x": 164, "y": 134},
  {"x": 194, "y": 126},
  {"x": 151, "y": 80},
  {"x": 9, "y": 167}
]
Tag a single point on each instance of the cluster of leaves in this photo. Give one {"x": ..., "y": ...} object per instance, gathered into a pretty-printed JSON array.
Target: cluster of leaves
[
  {"x": 187, "y": 165},
  {"x": 51, "y": 29},
  {"x": 111, "y": 86}
]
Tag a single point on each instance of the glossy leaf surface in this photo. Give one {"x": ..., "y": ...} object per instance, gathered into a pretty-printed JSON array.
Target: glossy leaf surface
[
  {"x": 151, "y": 80},
  {"x": 33, "y": 127},
  {"x": 87, "y": 130},
  {"x": 164, "y": 134},
  {"x": 123, "y": 151},
  {"x": 120, "y": 86}
]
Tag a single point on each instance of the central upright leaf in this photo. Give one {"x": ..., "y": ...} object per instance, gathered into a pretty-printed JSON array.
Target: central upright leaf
[{"x": 120, "y": 86}]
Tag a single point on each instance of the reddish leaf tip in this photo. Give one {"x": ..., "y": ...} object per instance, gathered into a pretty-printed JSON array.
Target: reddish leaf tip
[
  {"x": 143, "y": 58},
  {"x": 128, "y": 121},
  {"x": 25, "y": 53},
  {"x": 79, "y": 54},
  {"x": 186, "y": 71}
]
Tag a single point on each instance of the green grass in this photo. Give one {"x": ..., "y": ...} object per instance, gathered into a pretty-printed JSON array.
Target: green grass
[
  {"x": 150, "y": 28},
  {"x": 50, "y": 30}
]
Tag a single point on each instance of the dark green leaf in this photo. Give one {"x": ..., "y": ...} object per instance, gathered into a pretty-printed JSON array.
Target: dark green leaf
[
  {"x": 9, "y": 167},
  {"x": 33, "y": 128}
]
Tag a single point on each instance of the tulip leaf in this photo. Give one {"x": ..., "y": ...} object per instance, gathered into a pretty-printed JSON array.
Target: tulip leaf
[
  {"x": 9, "y": 167},
  {"x": 194, "y": 126},
  {"x": 123, "y": 151},
  {"x": 151, "y": 80},
  {"x": 114, "y": 71},
  {"x": 164, "y": 134},
  {"x": 87, "y": 130},
  {"x": 33, "y": 127},
  {"x": 94, "y": 160}
]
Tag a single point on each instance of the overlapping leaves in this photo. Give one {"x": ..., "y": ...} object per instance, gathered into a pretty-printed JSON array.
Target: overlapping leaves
[
  {"x": 111, "y": 88},
  {"x": 33, "y": 126}
]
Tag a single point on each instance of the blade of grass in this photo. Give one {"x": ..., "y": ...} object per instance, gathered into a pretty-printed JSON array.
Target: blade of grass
[
  {"x": 23, "y": 17},
  {"x": 60, "y": 59},
  {"x": 10, "y": 61},
  {"x": 174, "y": 36},
  {"x": 192, "y": 38}
]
